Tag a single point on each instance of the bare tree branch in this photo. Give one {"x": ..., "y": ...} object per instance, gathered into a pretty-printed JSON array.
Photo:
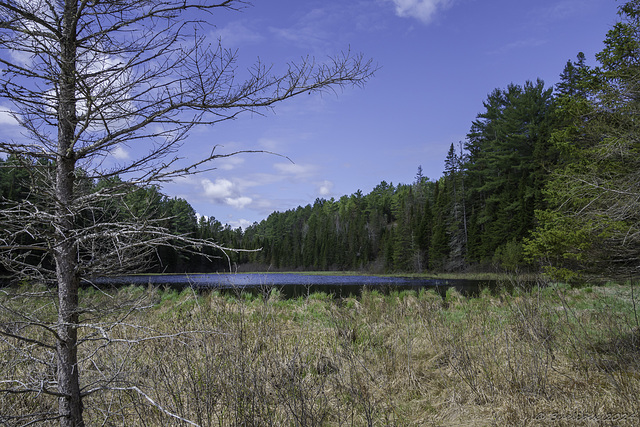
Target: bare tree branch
[{"x": 84, "y": 79}]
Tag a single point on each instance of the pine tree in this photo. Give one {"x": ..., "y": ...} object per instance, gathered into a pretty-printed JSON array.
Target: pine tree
[
  {"x": 575, "y": 79},
  {"x": 505, "y": 166},
  {"x": 593, "y": 225}
]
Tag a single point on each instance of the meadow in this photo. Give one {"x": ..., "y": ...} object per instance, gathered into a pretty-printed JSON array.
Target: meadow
[{"x": 548, "y": 355}]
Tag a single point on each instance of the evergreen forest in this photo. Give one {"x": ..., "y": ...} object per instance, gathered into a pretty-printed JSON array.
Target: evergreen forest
[{"x": 547, "y": 178}]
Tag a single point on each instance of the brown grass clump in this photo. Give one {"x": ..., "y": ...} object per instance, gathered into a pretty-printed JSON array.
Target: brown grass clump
[{"x": 552, "y": 355}]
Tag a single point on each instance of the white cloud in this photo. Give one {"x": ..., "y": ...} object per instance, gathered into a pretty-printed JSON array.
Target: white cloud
[
  {"x": 6, "y": 118},
  {"x": 226, "y": 192},
  {"x": 20, "y": 57},
  {"x": 218, "y": 190},
  {"x": 120, "y": 153},
  {"x": 239, "y": 202},
  {"x": 325, "y": 188},
  {"x": 423, "y": 10}
]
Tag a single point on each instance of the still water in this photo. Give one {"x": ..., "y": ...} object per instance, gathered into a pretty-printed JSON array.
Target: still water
[{"x": 296, "y": 285}]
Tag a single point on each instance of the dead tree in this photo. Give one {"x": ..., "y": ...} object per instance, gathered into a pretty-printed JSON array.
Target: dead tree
[{"x": 83, "y": 78}]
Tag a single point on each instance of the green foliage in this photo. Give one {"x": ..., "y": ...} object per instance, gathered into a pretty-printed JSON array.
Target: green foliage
[
  {"x": 508, "y": 149},
  {"x": 576, "y": 79},
  {"x": 386, "y": 230},
  {"x": 543, "y": 178},
  {"x": 592, "y": 225},
  {"x": 559, "y": 245},
  {"x": 509, "y": 256},
  {"x": 479, "y": 212}
]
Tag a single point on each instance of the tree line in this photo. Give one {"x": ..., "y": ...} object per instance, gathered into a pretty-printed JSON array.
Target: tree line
[
  {"x": 146, "y": 204},
  {"x": 476, "y": 214},
  {"x": 547, "y": 176}
]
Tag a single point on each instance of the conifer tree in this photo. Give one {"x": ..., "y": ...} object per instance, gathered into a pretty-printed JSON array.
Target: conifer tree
[
  {"x": 593, "y": 225},
  {"x": 575, "y": 78},
  {"x": 504, "y": 168}
]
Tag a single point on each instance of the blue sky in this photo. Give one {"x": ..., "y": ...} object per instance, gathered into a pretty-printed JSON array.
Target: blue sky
[{"x": 438, "y": 61}]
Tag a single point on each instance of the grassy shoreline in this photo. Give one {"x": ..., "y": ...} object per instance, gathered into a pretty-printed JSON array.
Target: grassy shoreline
[
  {"x": 461, "y": 276},
  {"x": 552, "y": 355}
]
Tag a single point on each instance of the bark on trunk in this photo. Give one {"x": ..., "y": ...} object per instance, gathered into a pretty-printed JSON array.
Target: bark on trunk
[{"x": 70, "y": 404}]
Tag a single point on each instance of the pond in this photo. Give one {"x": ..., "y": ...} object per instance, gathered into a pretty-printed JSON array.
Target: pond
[{"x": 297, "y": 285}]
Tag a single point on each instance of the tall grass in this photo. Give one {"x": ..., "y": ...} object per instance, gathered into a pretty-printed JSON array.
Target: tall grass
[{"x": 525, "y": 357}]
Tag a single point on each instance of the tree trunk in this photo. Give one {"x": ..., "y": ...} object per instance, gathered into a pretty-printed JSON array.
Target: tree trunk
[{"x": 70, "y": 403}]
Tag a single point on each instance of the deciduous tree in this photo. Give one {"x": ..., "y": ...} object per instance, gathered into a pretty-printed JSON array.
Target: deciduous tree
[{"x": 86, "y": 78}]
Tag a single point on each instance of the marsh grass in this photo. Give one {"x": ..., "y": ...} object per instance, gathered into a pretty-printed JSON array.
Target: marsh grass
[{"x": 551, "y": 354}]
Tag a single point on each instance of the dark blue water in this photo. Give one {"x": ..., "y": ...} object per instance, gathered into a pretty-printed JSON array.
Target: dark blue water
[{"x": 295, "y": 285}]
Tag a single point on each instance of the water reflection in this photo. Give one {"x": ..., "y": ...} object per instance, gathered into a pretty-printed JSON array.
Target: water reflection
[{"x": 301, "y": 285}]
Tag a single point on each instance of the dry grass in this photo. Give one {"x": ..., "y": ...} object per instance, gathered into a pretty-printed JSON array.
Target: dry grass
[{"x": 554, "y": 355}]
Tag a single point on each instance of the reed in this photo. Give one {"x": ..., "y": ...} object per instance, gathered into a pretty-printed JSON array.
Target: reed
[{"x": 524, "y": 357}]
